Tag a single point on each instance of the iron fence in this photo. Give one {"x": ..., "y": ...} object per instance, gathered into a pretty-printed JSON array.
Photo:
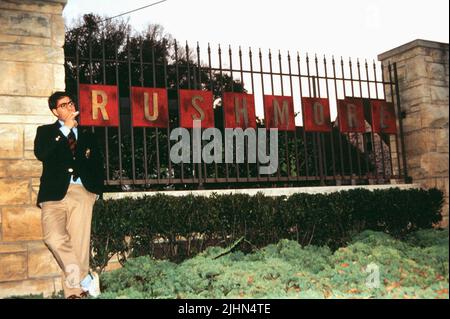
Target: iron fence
[{"x": 137, "y": 158}]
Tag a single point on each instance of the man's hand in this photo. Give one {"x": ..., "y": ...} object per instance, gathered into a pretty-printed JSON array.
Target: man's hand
[{"x": 70, "y": 121}]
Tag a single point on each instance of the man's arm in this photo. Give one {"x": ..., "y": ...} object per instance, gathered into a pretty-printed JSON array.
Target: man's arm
[{"x": 44, "y": 144}]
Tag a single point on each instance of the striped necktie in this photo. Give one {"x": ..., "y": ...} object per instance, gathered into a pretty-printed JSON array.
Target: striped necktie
[{"x": 72, "y": 141}]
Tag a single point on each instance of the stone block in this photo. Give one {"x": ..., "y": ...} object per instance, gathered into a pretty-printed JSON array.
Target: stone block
[
  {"x": 13, "y": 266},
  {"x": 33, "y": 6},
  {"x": 59, "y": 76},
  {"x": 14, "y": 192},
  {"x": 435, "y": 116},
  {"x": 20, "y": 168},
  {"x": 428, "y": 183},
  {"x": 22, "y": 223},
  {"x": 31, "y": 53},
  {"x": 29, "y": 136},
  {"x": 415, "y": 68},
  {"x": 23, "y": 105},
  {"x": 412, "y": 93},
  {"x": 435, "y": 164},
  {"x": 34, "y": 194},
  {"x": 7, "y": 38},
  {"x": 22, "y": 23},
  {"x": 29, "y": 155},
  {"x": 30, "y": 79},
  {"x": 58, "y": 31},
  {"x": 420, "y": 142},
  {"x": 28, "y": 119},
  {"x": 439, "y": 56},
  {"x": 27, "y": 287},
  {"x": 436, "y": 71},
  {"x": 442, "y": 139},
  {"x": 12, "y": 141},
  {"x": 12, "y": 248},
  {"x": 41, "y": 261},
  {"x": 411, "y": 122},
  {"x": 442, "y": 184},
  {"x": 439, "y": 93}
]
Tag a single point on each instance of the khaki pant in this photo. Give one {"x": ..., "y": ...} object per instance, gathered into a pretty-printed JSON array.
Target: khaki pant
[{"x": 66, "y": 226}]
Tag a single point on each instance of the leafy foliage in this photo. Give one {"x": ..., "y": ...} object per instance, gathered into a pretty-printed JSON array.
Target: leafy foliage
[
  {"x": 414, "y": 268},
  {"x": 176, "y": 228}
]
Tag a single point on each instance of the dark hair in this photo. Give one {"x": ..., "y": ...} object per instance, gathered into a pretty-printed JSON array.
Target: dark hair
[{"x": 53, "y": 99}]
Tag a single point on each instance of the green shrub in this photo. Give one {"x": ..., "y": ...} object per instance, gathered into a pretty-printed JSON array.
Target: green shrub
[
  {"x": 288, "y": 270},
  {"x": 177, "y": 228}
]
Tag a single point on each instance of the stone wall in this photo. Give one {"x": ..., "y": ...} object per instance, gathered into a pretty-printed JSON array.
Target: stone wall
[
  {"x": 422, "y": 68},
  {"x": 31, "y": 68}
]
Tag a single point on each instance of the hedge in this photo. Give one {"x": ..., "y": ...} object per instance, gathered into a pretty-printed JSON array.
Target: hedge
[{"x": 175, "y": 228}]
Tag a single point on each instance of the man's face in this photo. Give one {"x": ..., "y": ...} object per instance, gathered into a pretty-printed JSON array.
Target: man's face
[{"x": 64, "y": 108}]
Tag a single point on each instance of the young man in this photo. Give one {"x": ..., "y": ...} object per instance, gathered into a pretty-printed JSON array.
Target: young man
[{"x": 71, "y": 181}]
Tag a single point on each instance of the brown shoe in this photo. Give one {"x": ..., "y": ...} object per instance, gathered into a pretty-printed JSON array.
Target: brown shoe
[
  {"x": 74, "y": 297},
  {"x": 84, "y": 294}
]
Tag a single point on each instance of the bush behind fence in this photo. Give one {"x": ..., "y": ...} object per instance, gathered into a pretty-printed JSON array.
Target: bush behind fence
[{"x": 176, "y": 228}]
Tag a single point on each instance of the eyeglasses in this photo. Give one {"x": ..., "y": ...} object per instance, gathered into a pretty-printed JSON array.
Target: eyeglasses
[{"x": 65, "y": 105}]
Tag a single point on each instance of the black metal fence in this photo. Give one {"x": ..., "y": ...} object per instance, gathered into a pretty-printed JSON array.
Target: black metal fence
[{"x": 138, "y": 158}]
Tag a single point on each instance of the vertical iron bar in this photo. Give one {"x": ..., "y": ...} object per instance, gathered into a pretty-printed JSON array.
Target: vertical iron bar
[
  {"x": 321, "y": 146},
  {"x": 178, "y": 96},
  {"x": 133, "y": 163},
  {"x": 199, "y": 68},
  {"x": 389, "y": 138},
  {"x": 211, "y": 84},
  {"x": 297, "y": 165},
  {"x": 400, "y": 122},
  {"x": 348, "y": 134},
  {"x": 358, "y": 158},
  {"x": 253, "y": 92},
  {"x": 104, "y": 82},
  {"x": 273, "y": 93},
  {"x": 364, "y": 134},
  {"x": 312, "y": 93},
  {"x": 223, "y": 106},
  {"x": 119, "y": 133},
  {"x": 245, "y": 139},
  {"x": 141, "y": 79},
  {"x": 331, "y": 132},
  {"x": 168, "y": 124},
  {"x": 262, "y": 87},
  {"x": 189, "y": 87},
  {"x": 381, "y": 130},
  {"x": 369, "y": 95},
  {"x": 303, "y": 117},
  {"x": 158, "y": 164},
  {"x": 286, "y": 151},
  {"x": 227, "y": 175},
  {"x": 333, "y": 62},
  {"x": 371, "y": 128}
]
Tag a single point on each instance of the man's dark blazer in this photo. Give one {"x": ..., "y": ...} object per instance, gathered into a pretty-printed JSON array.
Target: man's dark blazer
[{"x": 51, "y": 147}]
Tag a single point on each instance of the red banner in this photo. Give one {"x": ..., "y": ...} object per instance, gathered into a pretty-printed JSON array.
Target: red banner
[
  {"x": 279, "y": 112},
  {"x": 196, "y": 105},
  {"x": 239, "y": 110},
  {"x": 351, "y": 116},
  {"x": 383, "y": 117},
  {"x": 149, "y": 107},
  {"x": 98, "y": 105},
  {"x": 316, "y": 114}
]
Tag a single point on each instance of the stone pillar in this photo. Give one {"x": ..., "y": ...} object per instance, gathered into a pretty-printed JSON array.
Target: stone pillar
[
  {"x": 31, "y": 68},
  {"x": 422, "y": 68}
]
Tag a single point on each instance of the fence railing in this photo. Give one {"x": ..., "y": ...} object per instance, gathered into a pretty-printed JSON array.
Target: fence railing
[{"x": 138, "y": 157}]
